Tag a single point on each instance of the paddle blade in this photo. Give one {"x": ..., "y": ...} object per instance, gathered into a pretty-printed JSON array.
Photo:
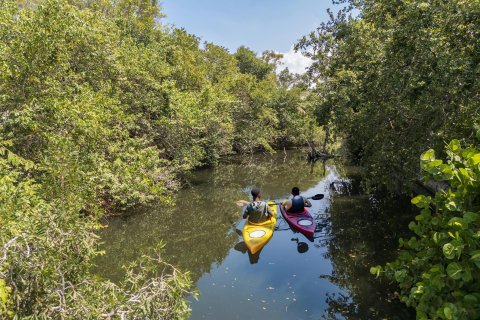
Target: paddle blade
[
  {"x": 319, "y": 196},
  {"x": 239, "y": 232},
  {"x": 241, "y": 203}
]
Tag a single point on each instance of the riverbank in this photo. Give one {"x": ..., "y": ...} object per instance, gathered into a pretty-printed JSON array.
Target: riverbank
[{"x": 332, "y": 276}]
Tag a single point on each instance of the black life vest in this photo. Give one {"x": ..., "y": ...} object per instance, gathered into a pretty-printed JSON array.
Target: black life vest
[{"x": 298, "y": 204}]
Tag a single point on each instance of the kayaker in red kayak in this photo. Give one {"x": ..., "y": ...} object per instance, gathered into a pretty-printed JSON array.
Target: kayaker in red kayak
[
  {"x": 298, "y": 203},
  {"x": 257, "y": 210}
]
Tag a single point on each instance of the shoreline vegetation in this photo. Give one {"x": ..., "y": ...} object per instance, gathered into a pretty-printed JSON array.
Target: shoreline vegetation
[{"x": 103, "y": 108}]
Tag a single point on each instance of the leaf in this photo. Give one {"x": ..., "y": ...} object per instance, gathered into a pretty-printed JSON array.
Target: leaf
[
  {"x": 421, "y": 201},
  {"x": 474, "y": 160},
  {"x": 376, "y": 271},
  {"x": 428, "y": 155},
  {"x": 456, "y": 222},
  {"x": 454, "y": 146},
  {"x": 454, "y": 270},
  {"x": 470, "y": 217},
  {"x": 476, "y": 258},
  {"x": 432, "y": 165},
  {"x": 448, "y": 251},
  {"x": 467, "y": 275},
  {"x": 451, "y": 206},
  {"x": 447, "y": 172},
  {"x": 469, "y": 152},
  {"x": 448, "y": 313},
  {"x": 470, "y": 299}
]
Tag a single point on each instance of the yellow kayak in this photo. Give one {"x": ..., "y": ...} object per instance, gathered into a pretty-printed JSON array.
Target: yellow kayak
[{"x": 256, "y": 235}]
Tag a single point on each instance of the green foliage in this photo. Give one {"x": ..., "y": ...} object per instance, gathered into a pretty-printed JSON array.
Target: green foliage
[
  {"x": 396, "y": 78},
  {"x": 248, "y": 63},
  {"x": 100, "y": 109},
  {"x": 438, "y": 268},
  {"x": 46, "y": 256},
  {"x": 127, "y": 104}
]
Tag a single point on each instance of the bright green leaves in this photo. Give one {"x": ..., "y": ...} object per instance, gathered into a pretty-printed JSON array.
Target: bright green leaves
[
  {"x": 446, "y": 238},
  {"x": 449, "y": 251},
  {"x": 4, "y": 298},
  {"x": 474, "y": 160},
  {"x": 453, "y": 249},
  {"x": 454, "y": 146},
  {"x": 428, "y": 156},
  {"x": 376, "y": 271},
  {"x": 422, "y": 201},
  {"x": 435, "y": 167}
]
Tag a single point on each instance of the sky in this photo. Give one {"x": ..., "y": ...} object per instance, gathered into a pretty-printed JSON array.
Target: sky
[{"x": 258, "y": 24}]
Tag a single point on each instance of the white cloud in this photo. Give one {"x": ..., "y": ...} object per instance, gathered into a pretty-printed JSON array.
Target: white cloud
[{"x": 294, "y": 61}]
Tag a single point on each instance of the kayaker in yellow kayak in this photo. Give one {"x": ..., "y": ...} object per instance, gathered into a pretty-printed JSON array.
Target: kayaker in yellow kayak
[
  {"x": 257, "y": 210},
  {"x": 298, "y": 203}
]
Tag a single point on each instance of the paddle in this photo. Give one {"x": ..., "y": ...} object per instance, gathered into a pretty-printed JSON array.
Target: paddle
[
  {"x": 243, "y": 203},
  {"x": 319, "y": 196}
]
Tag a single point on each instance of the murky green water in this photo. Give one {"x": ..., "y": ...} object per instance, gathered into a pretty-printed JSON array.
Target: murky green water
[{"x": 292, "y": 277}]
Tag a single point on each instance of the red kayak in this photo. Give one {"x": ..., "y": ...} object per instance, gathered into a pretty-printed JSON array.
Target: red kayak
[{"x": 302, "y": 222}]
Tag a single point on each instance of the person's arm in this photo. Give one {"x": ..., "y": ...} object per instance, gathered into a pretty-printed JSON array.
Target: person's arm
[
  {"x": 245, "y": 212},
  {"x": 308, "y": 204},
  {"x": 287, "y": 204}
]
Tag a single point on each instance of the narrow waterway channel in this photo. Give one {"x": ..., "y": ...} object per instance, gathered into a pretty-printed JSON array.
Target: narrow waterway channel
[{"x": 292, "y": 277}]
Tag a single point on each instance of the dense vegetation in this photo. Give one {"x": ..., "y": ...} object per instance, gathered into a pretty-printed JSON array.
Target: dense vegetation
[
  {"x": 101, "y": 108},
  {"x": 437, "y": 269},
  {"x": 396, "y": 78}
]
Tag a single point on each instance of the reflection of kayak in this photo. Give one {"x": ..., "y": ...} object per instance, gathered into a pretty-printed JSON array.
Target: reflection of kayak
[
  {"x": 302, "y": 222},
  {"x": 256, "y": 235}
]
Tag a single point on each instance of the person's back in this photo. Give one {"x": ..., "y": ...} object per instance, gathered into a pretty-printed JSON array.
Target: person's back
[
  {"x": 257, "y": 211},
  {"x": 298, "y": 203}
]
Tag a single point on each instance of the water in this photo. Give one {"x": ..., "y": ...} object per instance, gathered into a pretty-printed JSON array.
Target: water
[{"x": 292, "y": 277}]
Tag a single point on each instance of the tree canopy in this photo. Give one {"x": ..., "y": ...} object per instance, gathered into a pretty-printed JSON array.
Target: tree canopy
[
  {"x": 101, "y": 109},
  {"x": 396, "y": 78}
]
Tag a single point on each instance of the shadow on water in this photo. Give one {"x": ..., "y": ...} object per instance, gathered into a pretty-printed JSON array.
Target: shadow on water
[
  {"x": 363, "y": 232},
  {"x": 291, "y": 277},
  {"x": 302, "y": 247}
]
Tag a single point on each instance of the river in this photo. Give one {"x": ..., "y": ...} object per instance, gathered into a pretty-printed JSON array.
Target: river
[{"x": 292, "y": 277}]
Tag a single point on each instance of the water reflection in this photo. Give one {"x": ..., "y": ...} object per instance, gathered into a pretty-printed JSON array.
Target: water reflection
[
  {"x": 363, "y": 231},
  {"x": 291, "y": 278},
  {"x": 302, "y": 247},
  {"x": 252, "y": 258},
  {"x": 198, "y": 230}
]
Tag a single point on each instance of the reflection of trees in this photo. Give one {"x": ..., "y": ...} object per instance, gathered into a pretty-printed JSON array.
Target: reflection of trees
[
  {"x": 198, "y": 230},
  {"x": 364, "y": 233}
]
